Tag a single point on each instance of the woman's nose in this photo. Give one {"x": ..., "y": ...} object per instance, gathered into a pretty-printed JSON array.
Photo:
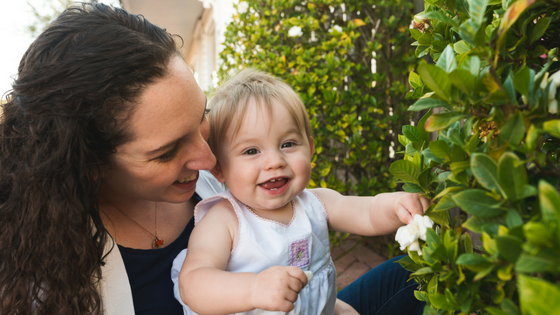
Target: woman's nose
[{"x": 203, "y": 158}]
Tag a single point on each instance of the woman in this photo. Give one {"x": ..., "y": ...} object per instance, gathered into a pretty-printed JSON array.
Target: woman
[{"x": 103, "y": 138}]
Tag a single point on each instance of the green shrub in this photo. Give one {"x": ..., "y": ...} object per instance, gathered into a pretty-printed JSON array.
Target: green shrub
[
  {"x": 324, "y": 50},
  {"x": 494, "y": 88}
]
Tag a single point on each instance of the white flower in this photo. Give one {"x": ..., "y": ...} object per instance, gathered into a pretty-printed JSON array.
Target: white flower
[
  {"x": 553, "y": 106},
  {"x": 555, "y": 78},
  {"x": 416, "y": 229},
  {"x": 242, "y": 7},
  {"x": 295, "y": 31},
  {"x": 336, "y": 28}
]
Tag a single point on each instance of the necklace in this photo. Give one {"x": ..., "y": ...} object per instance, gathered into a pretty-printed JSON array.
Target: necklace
[{"x": 157, "y": 242}]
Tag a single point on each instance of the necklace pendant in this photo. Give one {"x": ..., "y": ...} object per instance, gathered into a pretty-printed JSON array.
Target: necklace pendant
[{"x": 157, "y": 243}]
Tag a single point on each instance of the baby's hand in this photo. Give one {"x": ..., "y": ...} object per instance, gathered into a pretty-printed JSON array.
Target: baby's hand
[
  {"x": 277, "y": 288},
  {"x": 407, "y": 205}
]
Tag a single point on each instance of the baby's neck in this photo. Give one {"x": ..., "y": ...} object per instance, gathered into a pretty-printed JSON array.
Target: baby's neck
[{"x": 282, "y": 215}]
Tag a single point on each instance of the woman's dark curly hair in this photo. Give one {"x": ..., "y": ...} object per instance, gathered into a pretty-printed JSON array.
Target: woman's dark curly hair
[{"x": 66, "y": 114}]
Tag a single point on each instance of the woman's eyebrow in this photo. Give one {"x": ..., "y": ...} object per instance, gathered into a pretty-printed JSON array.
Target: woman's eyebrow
[{"x": 165, "y": 146}]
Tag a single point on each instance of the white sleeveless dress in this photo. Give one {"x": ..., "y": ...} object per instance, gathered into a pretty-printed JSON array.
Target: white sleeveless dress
[{"x": 263, "y": 243}]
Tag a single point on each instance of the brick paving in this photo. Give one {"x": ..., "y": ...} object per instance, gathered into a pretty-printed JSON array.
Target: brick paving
[{"x": 352, "y": 259}]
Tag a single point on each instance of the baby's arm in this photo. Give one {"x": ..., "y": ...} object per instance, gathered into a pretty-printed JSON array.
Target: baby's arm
[
  {"x": 207, "y": 289},
  {"x": 377, "y": 215}
]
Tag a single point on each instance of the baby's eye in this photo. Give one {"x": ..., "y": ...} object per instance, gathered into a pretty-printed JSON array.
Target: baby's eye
[
  {"x": 251, "y": 151},
  {"x": 288, "y": 144}
]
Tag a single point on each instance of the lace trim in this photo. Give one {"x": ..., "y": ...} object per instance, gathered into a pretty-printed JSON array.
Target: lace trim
[
  {"x": 237, "y": 214},
  {"x": 273, "y": 221},
  {"x": 323, "y": 205}
]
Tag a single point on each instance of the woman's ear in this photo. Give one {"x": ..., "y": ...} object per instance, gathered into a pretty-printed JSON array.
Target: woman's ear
[
  {"x": 312, "y": 145},
  {"x": 217, "y": 172}
]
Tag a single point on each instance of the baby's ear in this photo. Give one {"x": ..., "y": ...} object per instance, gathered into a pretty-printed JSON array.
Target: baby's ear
[
  {"x": 217, "y": 172},
  {"x": 312, "y": 145}
]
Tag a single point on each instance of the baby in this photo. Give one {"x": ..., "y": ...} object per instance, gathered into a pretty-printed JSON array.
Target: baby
[{"x": 252, "y": 243}]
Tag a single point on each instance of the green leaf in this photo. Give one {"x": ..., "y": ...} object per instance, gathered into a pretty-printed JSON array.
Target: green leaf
[
  {"x": 413, "y": 188},
  {"x": 461, "y": 47},
  {"x": 513, "y": 130},
  {"x": 403, "y": 140},
  {"x": 424, "y": 179},
  {"x": 471, "y": 64},
  {"x": 447, "y": 60},
  {"x": 405, "y": 171},
  {"x": 421, "y": 296},
  {"x": 540, "y": 28},
  {"x": 432, "y": 238},
  {"x": 425, "y": 103},
  {"x": 549, "y": 201},
  {"x": 536, "y": 233},
  {"x": 509, "y": 247},
  {"x": 424, "y": 135},
  {"x": 521, "y": 81},
  {"x": 508, "y": 306},
  {"x": 439, "y": 148},
  {"x": 441, "y": 121},
  {"x": 538, "y": 297},
  {"x": 513, "y": 218},
  {"x": 479, "y": 224},
  {"x": 436, "y": 79},
  {"x": 411, "y": 133},
  {"x": 483, "y": 273},
  {"x": 553, "y": 128},
  {"x": 440, "y": 17},
  {"x": 441, "y": 301},
  {"x": 477, "y": 8},
  {"x": 463, "y": 80},
  {"x": 415, "y": 33},
  {"x": 423, "y": 271},
  {"x": 478, "y": 203},
  {"x": 426, "y": 39},
  {"x": 448, "y": 190},
  {"x": 458, "y": 167},
  {"x": 495, "y": 311},
  {"x": 414, "y": 80},
  {"x": 472, "y": 260},
  {"x": 529, "y": 264},
  {"x": 530, "y": 142},
  {"x": 512, "y": 177},
  {"x": 485, "y": 170},
  {"x": 445, "y": 203}
]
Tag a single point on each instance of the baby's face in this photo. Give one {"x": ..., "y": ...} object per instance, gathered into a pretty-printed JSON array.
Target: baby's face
[{"x": 268, "y": 162}]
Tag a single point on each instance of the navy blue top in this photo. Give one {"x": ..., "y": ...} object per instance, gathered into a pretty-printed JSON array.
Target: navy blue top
[{"x": 149, "y": 274}]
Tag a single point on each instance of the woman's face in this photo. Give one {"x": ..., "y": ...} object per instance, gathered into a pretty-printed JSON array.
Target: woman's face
[{"x": 168, "y": 147}]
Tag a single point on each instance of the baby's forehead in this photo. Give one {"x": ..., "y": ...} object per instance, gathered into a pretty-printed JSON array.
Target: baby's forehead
[{"x": 254, "y": 111}]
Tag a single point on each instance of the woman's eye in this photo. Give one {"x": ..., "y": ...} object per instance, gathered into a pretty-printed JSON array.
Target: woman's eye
[
  {"x": 206, "y": 111},
  {"x": 288, "y": 145},
  {"x": 169, "y": 155},
  {"x": 251, "y": 151}
]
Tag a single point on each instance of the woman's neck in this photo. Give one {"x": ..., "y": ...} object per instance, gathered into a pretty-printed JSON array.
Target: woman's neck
[{"x": 135, "y": 225}]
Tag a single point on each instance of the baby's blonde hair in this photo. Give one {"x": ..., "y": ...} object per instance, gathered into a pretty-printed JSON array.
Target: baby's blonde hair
[{"x": 230, "y": 101}]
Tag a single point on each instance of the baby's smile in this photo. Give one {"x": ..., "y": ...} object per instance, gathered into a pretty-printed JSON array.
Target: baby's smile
[{"x": 274, "y": 183}]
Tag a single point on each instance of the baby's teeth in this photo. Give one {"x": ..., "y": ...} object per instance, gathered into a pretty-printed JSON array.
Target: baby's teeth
[{"x": 272, "y": 180}]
